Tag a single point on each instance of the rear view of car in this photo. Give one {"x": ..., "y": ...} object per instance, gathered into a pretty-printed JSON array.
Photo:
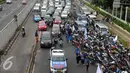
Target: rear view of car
[
  {"x": 57, "y": 20},
  {"x": 45, "y": 39},
  {"x": 36, "y": 17},
  {"x": 42, "y": 26}
]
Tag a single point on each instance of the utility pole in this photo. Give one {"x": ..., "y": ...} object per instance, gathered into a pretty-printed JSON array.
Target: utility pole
[
  {"x": 121, "y": 12},
  {"x": 116, "y": 11},
  {"x": 126, "y": 13}
]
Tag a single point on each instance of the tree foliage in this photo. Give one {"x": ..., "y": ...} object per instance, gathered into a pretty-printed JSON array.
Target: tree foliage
[{"x": 103, "y": 3}]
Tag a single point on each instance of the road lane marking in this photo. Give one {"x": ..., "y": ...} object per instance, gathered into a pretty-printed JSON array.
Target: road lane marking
[
  {"x": 9, "y": 13},
  {"x": 4, "y": 15}
]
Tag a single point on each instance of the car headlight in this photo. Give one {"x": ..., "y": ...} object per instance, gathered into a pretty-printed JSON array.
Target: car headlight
[{"x": 42, "y": 42}]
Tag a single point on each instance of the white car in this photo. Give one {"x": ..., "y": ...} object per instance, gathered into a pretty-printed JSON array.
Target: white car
[
  {"x": 64, "y": 14},
  {"x": 36, "y": 8},
  {"x": 8, "y": 1},
  {"x": 58, "y": 61}
]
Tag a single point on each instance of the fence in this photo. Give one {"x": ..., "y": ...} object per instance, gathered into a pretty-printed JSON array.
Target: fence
[{"x": 8, "y": 31}]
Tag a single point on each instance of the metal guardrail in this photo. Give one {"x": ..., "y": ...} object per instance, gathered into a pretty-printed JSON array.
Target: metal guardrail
[{"x": 8, "y": 31}]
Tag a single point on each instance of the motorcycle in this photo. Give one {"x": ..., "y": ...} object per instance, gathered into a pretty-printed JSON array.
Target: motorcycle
[{"x": 23, "y": 33}]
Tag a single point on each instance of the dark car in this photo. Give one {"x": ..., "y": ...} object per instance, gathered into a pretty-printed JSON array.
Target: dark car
[
  {"x": 1, "y": 8},
  {"x": 45, "y": 39}
]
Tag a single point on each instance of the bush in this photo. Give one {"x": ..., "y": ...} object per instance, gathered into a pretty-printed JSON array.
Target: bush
[{"x": 1, "y": 1}]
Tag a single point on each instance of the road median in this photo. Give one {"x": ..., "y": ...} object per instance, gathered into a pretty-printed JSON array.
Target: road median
[{"x": 30, "y": 66}]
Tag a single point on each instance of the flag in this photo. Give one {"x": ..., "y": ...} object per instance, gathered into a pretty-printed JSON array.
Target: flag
[
  {"x": 99, "y": 69},
  {"x": 85, "y": 34},
  {"x": 115, "y": 39},
  {"x": 73, "y": 28}
]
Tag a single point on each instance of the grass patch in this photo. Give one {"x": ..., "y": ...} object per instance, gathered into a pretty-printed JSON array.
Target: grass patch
[
  {"x": 19, "y": 28},
  {"x": 2, "y": 1},
  {"x": 119, "y": 39}
]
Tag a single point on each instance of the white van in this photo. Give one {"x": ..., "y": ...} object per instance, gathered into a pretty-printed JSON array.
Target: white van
[
  {"x": 101, "y": 28},
  {"x": 8, "y": 1}
]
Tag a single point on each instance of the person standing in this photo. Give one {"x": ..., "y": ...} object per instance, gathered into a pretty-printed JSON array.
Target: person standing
[
  {"x": 87, "y": 64},
  {"x": 36, "y": 36},
  {"x": 82, "y": 58},
  {"x": 76, "y": 51},
  {"x": 78, "y": 58}
]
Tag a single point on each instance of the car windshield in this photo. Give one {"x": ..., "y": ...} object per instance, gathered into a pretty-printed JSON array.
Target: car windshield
[
  {"x": 103, "y": 29},
  {"x": 55, "y": 14},
  {"x": 56, "y": 29},
  {"x": 37, "y": 16},
  {"x": 57, "y": 18},
  {"x": 58, "y": 58},
  {"x": 41, "y": 23},
  {"x": 82, "y": 18},
  {"x": 47, "y": 17},
  {"x": 64, "y": 13},
  {"x": 46, "y": 37}
]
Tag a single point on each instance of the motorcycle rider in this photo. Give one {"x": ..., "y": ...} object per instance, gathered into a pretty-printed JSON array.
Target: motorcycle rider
[{"x": 23, "y": 31}]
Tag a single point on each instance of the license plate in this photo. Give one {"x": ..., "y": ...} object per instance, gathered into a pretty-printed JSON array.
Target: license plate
[{"x": 59, "y": 71}]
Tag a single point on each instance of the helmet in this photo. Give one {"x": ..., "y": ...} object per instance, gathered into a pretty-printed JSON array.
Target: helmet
[{"x": 22, "y": 26}]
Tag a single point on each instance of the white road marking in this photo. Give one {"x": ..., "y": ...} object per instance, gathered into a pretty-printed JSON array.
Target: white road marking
[{"x": 3, "y": 17}]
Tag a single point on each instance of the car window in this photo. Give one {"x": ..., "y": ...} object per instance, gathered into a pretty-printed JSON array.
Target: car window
[
  {"x": 103, "y": 29},
  {"x": 56, "y": 13},
  {"x": 64, "y": 13},
  {"x": 41, "y": 23},
  {"x": 37, "y": 16},
  {"x": 58, "y": 58},
  {"x": 55, "y": 28},
  {"x": 46, "y": 37},
  {"x": 57, "y": 18}
]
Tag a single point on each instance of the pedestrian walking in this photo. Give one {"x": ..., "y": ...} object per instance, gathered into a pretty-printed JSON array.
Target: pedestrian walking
[
  {"x": 77, "y": 51},
  {"x": 87, "y": 64}
]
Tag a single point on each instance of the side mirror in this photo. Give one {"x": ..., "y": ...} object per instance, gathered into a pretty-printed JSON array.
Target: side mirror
[
  {"x": 66, "y": 58},
  {"x": 49, "y": 59}
]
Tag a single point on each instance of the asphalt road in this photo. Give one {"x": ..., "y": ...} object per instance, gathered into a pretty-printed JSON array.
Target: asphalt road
[
  {"x": 42, "y": 62},
  {"x": 9, "y": 10},
  {"x": 21, "y": 50}
]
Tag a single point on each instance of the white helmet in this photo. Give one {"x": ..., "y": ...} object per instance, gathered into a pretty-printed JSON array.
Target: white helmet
[{"x": 23, "y": 27}]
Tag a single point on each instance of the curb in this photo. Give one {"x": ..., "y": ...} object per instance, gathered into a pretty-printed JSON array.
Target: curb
[{"x": 32, "y": 59}]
